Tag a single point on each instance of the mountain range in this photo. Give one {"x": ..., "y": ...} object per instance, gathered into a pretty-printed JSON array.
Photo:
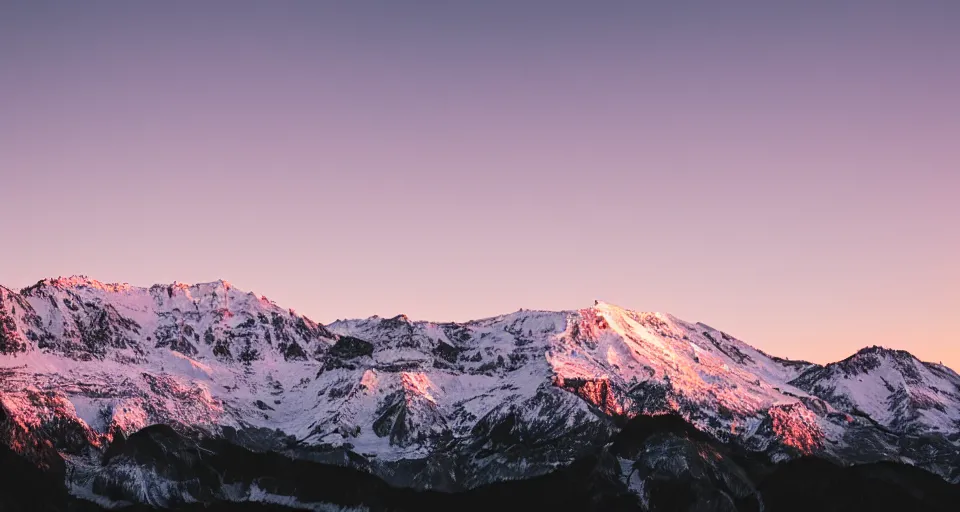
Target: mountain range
[{"x": 182, "y": 396}]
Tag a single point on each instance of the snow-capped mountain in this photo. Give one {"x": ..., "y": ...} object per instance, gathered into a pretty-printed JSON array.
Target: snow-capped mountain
[
  {"x": 450, "y": 406},
  {"x": 892, "y": 388}
]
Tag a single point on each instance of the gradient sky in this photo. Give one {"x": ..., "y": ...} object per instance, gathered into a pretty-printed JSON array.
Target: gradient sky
[{"x": 787, "y": 174}]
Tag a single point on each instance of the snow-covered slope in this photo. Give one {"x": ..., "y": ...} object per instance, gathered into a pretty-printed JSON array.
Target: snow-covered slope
[
  {"x": 891, "y": 387},
  {"x": 430, "y": 405}
]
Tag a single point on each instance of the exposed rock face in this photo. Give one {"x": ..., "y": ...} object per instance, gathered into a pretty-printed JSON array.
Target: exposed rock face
[
  {"x": 446, "y": 406},
  {"x": 11, "y": 339},
  {"x": 595, "y": 391}
]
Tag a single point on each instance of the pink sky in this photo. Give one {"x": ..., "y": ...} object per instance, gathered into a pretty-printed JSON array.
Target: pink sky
[{"x": 790, "y": 176}]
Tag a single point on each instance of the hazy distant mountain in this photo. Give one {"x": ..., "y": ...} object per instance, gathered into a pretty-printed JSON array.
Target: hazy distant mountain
[{"x": 180, "y": 394}]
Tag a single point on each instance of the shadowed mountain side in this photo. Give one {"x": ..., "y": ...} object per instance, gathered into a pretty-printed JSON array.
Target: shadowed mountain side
[{"x": 677, "y": 466}]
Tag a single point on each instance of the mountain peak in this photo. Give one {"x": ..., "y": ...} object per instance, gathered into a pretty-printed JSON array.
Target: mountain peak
[
  {"x": 600, "y": 305},
  {"x": 79, "y": 281},
  {"x": 219, "y": 283},
  {"x": 881, "y": 350}
]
